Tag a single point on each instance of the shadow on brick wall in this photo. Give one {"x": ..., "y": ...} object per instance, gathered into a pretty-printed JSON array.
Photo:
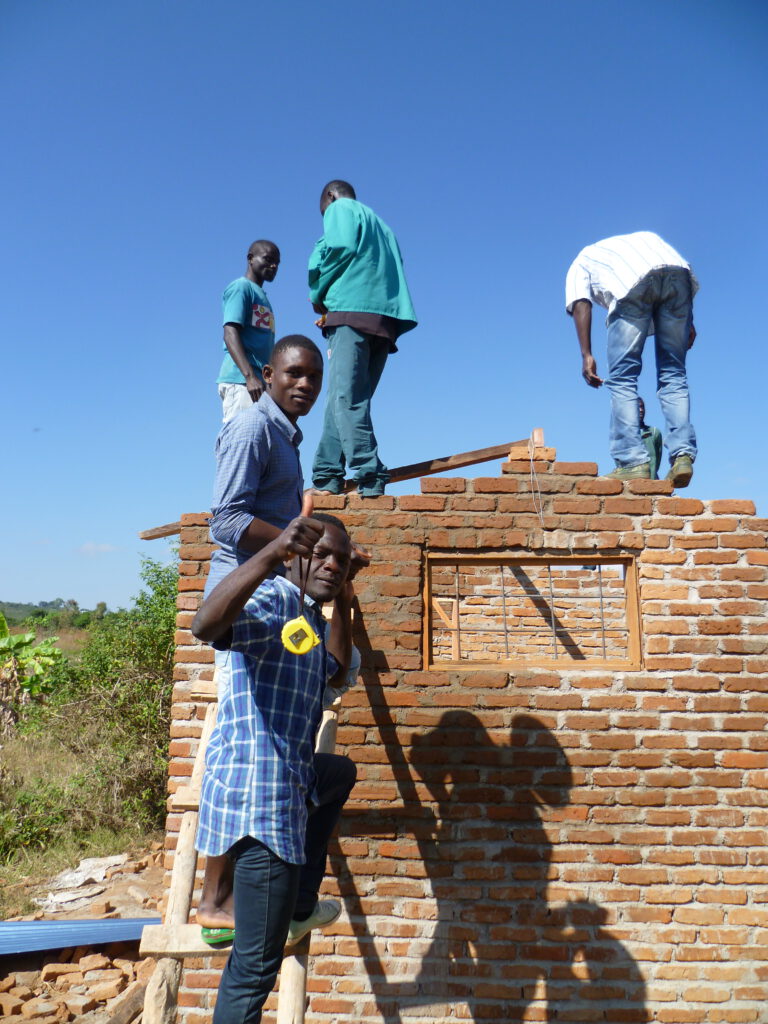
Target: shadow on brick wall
[{"x": 497, "y": 944}]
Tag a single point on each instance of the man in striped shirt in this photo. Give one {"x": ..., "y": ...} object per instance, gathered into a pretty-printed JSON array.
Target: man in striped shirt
[
  {"x": 267, "y": 800},
  {"x": 647, "y": 287}
]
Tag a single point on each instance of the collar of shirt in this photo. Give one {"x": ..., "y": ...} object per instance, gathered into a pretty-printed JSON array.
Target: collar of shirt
[
  {"x": 310, "y": 603},
  {"x": 275, "y": 415}
]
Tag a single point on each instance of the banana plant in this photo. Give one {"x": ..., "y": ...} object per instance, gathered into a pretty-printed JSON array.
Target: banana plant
[{"x": 25, "y": 669}]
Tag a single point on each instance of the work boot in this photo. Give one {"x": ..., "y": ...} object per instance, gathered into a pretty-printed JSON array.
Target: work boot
[
  {"x": 641, "y": 472},
  {"x": 681, "y": 471},
  {"x": 325, "y": 913}
]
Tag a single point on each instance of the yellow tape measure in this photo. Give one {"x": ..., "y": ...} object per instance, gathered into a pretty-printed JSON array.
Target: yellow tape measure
[{"x": 297, "y": 635}]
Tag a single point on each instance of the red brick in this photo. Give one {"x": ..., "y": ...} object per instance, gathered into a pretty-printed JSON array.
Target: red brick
[
  {"x": 575, "y": 468},
  {"x": 492, "y": 484},
  {"x": 628, "y": 506},
  {"x": 679, "y": 506},
  {"x": 738, "y": 507},
  {"x": 443, "y": 484},
  {"x": 324, "y": 502},
  {"x": 422, "y": 503},
  {"x": 472, "y": 504},
  {"x": 583, "y": 505},
  {"x": 649, "y": 486},
  {"x": 524, "y": 466},
  {"x": 600, "y": 485}
]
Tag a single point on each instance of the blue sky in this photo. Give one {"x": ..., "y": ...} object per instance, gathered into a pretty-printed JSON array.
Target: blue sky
[{"x": 147, "y": 144}]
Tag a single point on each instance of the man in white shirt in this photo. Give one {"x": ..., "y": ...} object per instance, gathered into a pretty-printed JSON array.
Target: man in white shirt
[{"x": 647, "y": 287}]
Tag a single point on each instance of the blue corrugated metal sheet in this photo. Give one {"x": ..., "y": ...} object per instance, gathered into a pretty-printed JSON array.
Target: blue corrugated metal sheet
[{"x": 26, "y": 936}]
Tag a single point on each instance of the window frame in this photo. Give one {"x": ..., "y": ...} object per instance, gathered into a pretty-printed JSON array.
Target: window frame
[{"x": 634, "y": 659}]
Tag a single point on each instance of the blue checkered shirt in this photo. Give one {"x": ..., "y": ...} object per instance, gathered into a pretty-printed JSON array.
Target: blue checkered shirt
[
  {"x": 258, "y": 475},
  {"x": 259, "y": 771}
]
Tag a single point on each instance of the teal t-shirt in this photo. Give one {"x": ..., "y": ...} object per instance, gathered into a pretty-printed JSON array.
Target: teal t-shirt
[{"x": 246, "y": 304}]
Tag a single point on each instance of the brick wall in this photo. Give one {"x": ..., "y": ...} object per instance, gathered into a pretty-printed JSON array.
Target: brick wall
[{"x": 565, "y": 842}]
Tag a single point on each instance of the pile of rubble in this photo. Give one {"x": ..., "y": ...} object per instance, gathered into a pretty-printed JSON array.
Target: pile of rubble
[
  {"x": 95, "y": 986},
  {"x": 79, "y": 985},
  {"x": 104, "y": 887}
]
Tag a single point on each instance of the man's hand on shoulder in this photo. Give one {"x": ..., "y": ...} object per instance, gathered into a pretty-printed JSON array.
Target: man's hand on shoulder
[{"x": 691, "y": 337}]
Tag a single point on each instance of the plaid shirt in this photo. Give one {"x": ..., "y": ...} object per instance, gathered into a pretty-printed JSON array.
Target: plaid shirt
[{"x": 259, "y": 771}]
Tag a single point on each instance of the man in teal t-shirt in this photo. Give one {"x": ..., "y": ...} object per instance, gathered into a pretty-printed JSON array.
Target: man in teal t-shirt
[
  {"x": 357, "y": 283},
  {"x": 249, "y": 330}
]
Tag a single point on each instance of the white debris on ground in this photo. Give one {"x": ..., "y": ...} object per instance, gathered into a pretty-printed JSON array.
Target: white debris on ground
[{"x": 87, "y": 984}]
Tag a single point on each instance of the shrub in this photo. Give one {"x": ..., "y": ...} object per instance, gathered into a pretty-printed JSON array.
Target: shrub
[{"x": 94, "y": 756}]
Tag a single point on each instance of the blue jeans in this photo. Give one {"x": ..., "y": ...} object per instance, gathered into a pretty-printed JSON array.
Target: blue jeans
[
  {"x": 268, "y": 892},
  {"x": 355, "y": 364},
  {"x": 662, "y": 299}
]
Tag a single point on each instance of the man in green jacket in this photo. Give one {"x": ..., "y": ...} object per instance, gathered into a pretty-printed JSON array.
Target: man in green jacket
[{"x": 357, "y": 284}]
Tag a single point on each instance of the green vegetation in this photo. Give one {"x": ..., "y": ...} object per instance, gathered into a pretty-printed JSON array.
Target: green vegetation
[
  {"x": 26, "y": 671},
  {"x": 89, "y": 760},
  {"x": 54, "y": 615}
]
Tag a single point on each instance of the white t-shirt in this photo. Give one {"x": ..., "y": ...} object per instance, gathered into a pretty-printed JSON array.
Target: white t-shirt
[{"x": 608, "y": 270}]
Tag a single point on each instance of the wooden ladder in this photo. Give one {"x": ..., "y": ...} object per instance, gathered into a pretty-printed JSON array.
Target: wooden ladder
[{"x": 176, "y": 938}]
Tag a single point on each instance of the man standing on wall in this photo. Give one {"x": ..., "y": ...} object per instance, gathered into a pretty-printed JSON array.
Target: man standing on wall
[
  {"x": 249, "y": 330},
  {"x": 357, "y": 284},
  {"x": 646, "y": 287}
]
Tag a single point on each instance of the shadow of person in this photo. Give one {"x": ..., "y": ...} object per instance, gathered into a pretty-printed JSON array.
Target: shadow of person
[
  {"x": 497, "y": 945},
  {"x": 598, "y": 975}
]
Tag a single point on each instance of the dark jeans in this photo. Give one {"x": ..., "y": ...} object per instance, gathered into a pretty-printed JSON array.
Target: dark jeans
[
  {"x": 355, "y": 364},
  {"x": 268, "y": 892}
]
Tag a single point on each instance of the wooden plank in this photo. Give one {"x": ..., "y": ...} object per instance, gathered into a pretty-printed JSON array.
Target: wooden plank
[
  {"x": 185, "y": 799},
  {"x": 292, "y": 994},
  {"x": 178, "y": 940},
  {"x": 196, "y": 778},
  {"x": 183, "y": 874},
  {"x": 182, "y": 940},
  {"x": 169, "y": 530},
  {"x": 436, "y": 605},
  {"x": 204, "y": 690},
  {"x": 412, "y": 472},
  {"x": 418, "y": 469},
  {"x": 634, "y": 619}
]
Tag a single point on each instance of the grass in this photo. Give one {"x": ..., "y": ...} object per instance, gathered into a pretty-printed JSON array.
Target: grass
[{"x": 84, "y": 773}]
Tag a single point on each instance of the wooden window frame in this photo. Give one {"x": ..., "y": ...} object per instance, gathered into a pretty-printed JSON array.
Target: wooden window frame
[{"x": 634, "y": 659}]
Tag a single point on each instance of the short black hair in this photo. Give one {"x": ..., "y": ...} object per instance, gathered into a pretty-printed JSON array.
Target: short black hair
[
  {"x": 259, "y": 245},
  {"x": 291, "y": 341},
  {"x": 341, "y": 188},
  {"x": 326, "y": 517}
]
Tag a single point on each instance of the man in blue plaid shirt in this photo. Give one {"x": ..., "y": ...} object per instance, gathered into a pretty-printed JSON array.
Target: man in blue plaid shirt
[{"x": 267, "y": 800}]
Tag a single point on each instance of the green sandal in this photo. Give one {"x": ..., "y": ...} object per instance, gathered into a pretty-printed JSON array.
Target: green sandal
[{"x": 217, "y": 936}]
